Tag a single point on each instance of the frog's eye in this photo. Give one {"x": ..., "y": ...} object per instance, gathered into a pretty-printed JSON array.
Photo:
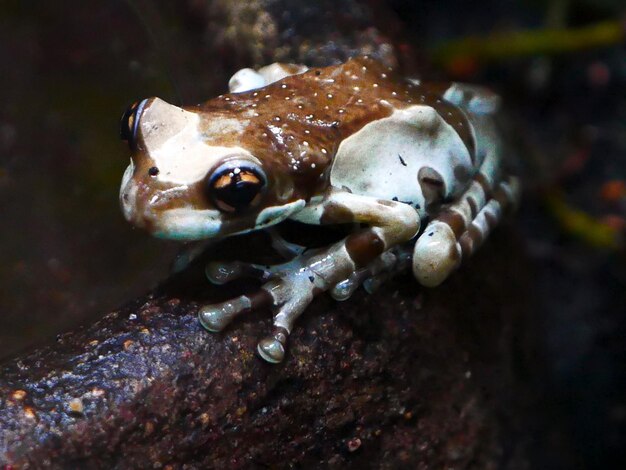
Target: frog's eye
[
  {"x": 236, "y": 185},
  {"x": 130, "y": 122}
]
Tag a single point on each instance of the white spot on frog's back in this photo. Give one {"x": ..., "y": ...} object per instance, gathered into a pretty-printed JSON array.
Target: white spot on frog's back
[
  {"x": 384, "y": 157},
  {"x": 176, "y": 141},
  {"x": 245, "y": 80},
  {"x": 248, "y": 79}
]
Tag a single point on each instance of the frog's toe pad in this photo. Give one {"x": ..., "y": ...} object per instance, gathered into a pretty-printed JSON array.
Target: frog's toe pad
[
  {"x": 271, "y": 350},
  {"x": 216, "y": 317},
  {"x": 343, "y": 290}
]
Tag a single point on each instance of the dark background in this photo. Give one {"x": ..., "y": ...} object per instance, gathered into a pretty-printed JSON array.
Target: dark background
[{"x": 69, "y": 69}]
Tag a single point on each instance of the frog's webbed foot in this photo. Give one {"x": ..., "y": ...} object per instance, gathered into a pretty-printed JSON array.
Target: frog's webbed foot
[
  {"x": 289, "y": 289},
  {"x": 376, "y": 273}
]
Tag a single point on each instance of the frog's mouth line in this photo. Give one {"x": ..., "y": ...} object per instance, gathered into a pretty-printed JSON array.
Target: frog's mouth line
[
  {"x": 128, "y": 194},
  {"x": 194, "y": 224}
]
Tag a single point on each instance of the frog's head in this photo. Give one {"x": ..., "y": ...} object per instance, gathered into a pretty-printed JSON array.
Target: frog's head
[{"x": 190, "y": 178}]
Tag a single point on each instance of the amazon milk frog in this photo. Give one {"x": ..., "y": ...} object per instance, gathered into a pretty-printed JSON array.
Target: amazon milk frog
[{"x": 405, "y": 161}]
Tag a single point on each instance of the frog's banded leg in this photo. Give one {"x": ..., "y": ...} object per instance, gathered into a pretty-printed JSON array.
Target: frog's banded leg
[
  {"x": 459, "y": 229},
  {"x": 295, "y": 283}
]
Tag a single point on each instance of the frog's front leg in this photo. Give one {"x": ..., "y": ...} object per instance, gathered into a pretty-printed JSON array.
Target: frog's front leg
[{"x": 294, "y": 284}]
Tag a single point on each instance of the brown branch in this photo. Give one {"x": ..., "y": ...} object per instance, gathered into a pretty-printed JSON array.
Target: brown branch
[{"x": 401, "y": 377}]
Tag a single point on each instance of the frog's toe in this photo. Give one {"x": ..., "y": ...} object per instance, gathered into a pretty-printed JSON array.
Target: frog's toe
[
  {"x": 371, "y": 277},
  {"x": 343, "y": 290},
  {"x": 216, "y": 317},
  {"x": 272, "y": 348}
]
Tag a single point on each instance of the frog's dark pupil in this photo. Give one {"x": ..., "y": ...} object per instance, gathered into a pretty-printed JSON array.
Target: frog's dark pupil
[
  {"x": 153, "y": 171},
  {"x": 235, "y": 190},
  {"x": 238, "y": 194}
]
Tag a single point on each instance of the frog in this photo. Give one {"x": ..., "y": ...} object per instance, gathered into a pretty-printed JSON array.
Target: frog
[{"x": 417, "y": 168}]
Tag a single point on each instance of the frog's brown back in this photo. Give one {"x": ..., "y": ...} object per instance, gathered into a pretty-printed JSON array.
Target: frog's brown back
[{"x": 296, "y": 124}]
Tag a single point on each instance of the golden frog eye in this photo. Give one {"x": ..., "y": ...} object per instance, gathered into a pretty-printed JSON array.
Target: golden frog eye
[
  {"x": 130, "y": 122},
  {"x": 236, "y": 186}
]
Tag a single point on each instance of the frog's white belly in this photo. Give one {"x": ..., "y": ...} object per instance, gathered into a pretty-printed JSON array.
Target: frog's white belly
[{"x": 384, "y": 158}]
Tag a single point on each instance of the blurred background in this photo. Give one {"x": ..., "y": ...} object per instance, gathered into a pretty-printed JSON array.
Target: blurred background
[{"x": 69, "y": 69}]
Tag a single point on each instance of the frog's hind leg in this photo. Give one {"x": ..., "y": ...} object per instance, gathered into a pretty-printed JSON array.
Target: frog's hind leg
[{"x": 456, "y": 232}]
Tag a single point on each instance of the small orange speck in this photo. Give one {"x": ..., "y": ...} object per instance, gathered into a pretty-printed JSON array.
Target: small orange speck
[
  {"x": 463, "y": 66},
  {"x": 613, "y": 191},
  {"x": 128, "y": 343},
  {"x": 148, "y": 428},
  {"x": 29, "y": 412},
  {"x": 18, "y": 395},
  {"x": 76, "y": 405}
]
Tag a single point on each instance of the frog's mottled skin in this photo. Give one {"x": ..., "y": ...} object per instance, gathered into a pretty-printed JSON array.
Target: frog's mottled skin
[{"x": 348, "y": 143}]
